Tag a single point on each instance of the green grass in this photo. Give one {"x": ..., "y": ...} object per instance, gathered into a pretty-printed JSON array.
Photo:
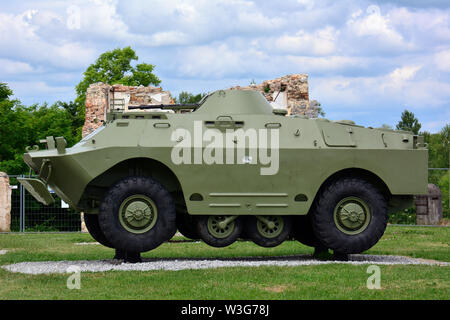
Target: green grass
[{"x": 304, "y": 282}]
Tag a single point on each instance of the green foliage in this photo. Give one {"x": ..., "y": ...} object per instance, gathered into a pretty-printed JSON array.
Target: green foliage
[
  {"x": 316, "y": 104},
  {"x": 444, "y": 186},
  {"x": 142, "y": 75},
  {"x": 76, "y": 117},
  {"x": 5, "y": 92},
  {"x": 22, "y": 126},
  {"x": 115, "y": 67},
  {"x": 409, "y": 122},
  {"x": 46, "y": 226},
  {"x": 189, "y": 98},
  {"x": 407, "y": 216},
  {"x": 438, "y": 148}
]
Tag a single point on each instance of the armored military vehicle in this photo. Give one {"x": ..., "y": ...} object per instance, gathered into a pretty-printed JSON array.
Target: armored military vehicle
[{"x": 232, "y": 167}]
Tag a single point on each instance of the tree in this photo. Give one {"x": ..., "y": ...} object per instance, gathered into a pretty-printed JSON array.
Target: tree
[
  {"x": 14, "y": 131},
  {"x": 386, "y": 126},
  {"x": 5, "y": 92},
  {"x": 189, "y": 98},
  {"x": 314, "y": 104},
  {"x": 409, "y": 122},
  {"x": 22, "y": 126},
  {"x": 114, "y": 67},
  {"x": 76, "y": 117},
  {"x": 438, "y": 147}
]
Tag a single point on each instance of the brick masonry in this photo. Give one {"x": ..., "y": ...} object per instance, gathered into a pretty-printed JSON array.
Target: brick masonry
[
  {"x": 295, "y": 87},
  {"x": 100, "y": 97}
]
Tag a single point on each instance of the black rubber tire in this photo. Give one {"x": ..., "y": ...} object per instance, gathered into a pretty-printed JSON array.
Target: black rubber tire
[
  {"x": 302, "y": 231},
  {"x": 186, "y": 226},
  {"x": 202, "y": 229},
  {"x": 251, "y": 231},
  {"x": 117, "y": 235},
  {"x": 91, "y": 221},
  {"x": 325, "y": 228}
]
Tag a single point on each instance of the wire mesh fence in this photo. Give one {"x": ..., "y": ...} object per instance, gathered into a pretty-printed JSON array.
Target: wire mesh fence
[{"x": 28, "y": 215}]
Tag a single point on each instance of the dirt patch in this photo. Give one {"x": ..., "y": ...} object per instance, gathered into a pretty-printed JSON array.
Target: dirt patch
[{"x": 277, "y": 289}]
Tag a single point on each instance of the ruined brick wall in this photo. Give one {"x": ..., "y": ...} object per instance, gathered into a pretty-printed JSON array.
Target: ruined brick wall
[
  {"x": 100, "y": 97},
  {"x": 96, "y": 103},
  {"x": 295, "y": 89},
  {"x": 5, "y": 203}
]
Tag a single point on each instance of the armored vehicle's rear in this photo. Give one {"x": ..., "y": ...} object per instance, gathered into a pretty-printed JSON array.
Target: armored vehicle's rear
[{"x": 233, "y": 167}]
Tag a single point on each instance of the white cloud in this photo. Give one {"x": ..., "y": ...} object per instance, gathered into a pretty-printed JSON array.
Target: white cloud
[
  {"x": 20, "y": 34},
  {"x": 398, "y": 78},
  {"x": 40, "y": 91},
  {"x": 11, "y": 67},
  {"x": 169, "y": 38},
  {"x": 400, "y": 88},
  {"x": 442, "y": 60},
  {"x": 328, "y": 64},
  {"x": 218, "y": 60},
  {"x": 378, "y": 28},
  {"x": 435, "y": 126},
  {"x": 320, "y": 42}
]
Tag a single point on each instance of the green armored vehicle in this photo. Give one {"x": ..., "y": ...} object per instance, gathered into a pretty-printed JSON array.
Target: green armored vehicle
[{"x": 232, "y": 167}]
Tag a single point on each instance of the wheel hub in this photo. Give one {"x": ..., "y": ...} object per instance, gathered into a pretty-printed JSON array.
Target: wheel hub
[
  {"x": 352, "y": 215},
  {"x": 138, "y": 214},
  {"x": 221, "y": 226},
  {"x": 269, "y": 226}
]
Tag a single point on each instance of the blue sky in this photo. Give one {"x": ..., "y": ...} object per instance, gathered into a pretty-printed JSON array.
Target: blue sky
[{"x": 367, "y": 60}]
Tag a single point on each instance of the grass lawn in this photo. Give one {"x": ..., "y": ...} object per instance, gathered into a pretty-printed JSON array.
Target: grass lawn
[{"x": 305, "y": 282}]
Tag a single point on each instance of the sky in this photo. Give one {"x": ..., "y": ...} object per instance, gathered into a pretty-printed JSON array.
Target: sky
[{"x": 367, "y": 61}]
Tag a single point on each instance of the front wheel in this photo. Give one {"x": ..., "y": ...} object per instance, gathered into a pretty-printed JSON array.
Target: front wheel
[
  {"x": 91, "y": 221},
  {"x": 137, "y": 214},
  {"x": 350, "y": 216}
]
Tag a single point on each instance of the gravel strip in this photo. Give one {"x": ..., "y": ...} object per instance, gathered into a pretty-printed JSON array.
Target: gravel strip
[
  {"x": 184, "y": 264},
  {"x": 3, "y": 251}
]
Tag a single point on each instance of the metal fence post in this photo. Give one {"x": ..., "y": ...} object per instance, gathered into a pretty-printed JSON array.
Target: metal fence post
[
  {"x": 23, "y": 207},
  {"x": 20, "y": 207}
]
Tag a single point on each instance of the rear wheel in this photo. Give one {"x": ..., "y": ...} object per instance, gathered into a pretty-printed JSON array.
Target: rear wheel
[
  {"x": 351, "y": 216},
  {"x": 302, "y": 231},
  {"x": 219, "y": 231},
  {"x": 137, "y": 214},
  {"x": 268, "y": 231}
]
